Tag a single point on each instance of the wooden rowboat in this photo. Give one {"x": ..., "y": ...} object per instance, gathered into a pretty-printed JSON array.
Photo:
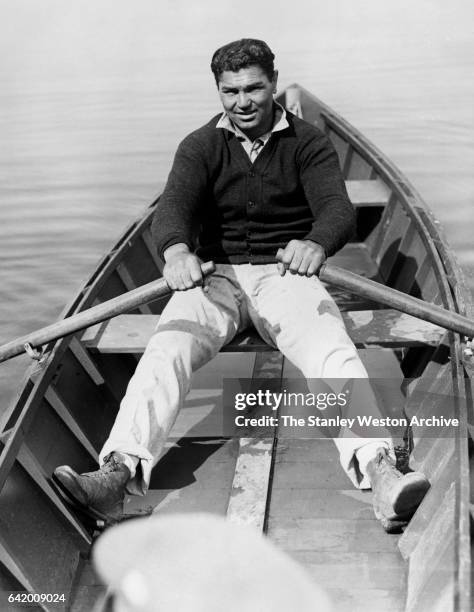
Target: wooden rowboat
[{"x": 293, "y": 489}]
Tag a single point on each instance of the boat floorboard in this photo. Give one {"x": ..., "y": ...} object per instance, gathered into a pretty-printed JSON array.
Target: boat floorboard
[
  {"x": 318, "y": 518},
  {"x": 316, "y": 515},
  {"x": 193, "y": 476},
  {"x": 323, "y": 522}
]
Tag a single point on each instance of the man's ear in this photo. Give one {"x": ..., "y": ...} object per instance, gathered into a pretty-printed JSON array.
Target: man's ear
[{"x": 275, "y": 80}]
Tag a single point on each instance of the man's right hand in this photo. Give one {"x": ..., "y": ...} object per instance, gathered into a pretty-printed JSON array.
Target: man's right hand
[{"x": 182, "y": 269}]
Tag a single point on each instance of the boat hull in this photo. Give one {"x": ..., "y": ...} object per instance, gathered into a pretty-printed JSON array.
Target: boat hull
[{"x": 304, "y": 502}]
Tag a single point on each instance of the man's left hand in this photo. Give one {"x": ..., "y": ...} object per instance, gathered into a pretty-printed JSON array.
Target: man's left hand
[{"x": 303, "y": 257}]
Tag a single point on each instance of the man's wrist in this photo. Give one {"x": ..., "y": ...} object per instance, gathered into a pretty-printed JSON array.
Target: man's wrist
[
  {"x": 174, "y": 249},
  {"x": 313, "y": 242}
]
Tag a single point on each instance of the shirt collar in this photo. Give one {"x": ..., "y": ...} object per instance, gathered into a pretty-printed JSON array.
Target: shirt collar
[{"x": 279, "y": 125}]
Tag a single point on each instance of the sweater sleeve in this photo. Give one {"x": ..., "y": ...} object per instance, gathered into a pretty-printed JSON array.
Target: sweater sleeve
[
  {"x": 174, "y": 218},
  {"x": 325, "y": 191}
]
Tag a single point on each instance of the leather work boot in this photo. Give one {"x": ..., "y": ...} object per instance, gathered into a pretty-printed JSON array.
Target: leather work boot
[
  {"x": 98, "y": 494},
  {"x": 396, "y": 495}
]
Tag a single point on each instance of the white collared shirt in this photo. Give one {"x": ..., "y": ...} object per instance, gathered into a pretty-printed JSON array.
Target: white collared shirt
[{"x": 253, "y": 147}]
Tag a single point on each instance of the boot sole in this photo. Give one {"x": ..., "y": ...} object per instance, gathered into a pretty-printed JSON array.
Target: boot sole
[
  {"x": 77, "y": 504},
  {"x": 65, "y": 477},
  {"x": 391, "y": 526},
  {"x": 390, "y": 522},
  {"x": 413, "y": 488}
]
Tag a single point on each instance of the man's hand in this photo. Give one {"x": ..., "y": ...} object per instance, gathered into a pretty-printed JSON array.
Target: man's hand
[
  {"x": 182, "y": 269},
  {"x": 303, "y": 257}
]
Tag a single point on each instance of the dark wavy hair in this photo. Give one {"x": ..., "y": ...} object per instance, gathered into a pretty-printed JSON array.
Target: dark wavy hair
[{"x": 241, "y": 54}]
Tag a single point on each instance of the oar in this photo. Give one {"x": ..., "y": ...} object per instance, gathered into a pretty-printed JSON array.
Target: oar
[
  {"x": 331, "y": 274},
  {"x": 396, "y": 299},
  {"x": 96, "y": 314}
]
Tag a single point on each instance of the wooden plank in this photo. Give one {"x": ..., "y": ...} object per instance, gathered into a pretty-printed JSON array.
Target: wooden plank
[
  {"x": 419, "y": 280},
  {"x": 192, "y": 465},
  {"x": 40, "y": 537},
  {"x": 430, "y": 455},
  {"x": 192, "y": 498},
  {"x": 392, "y": 237},
  {"x": 375, "y": 241},
  {"x": 296, "y": 450},
  {"x": 368, "y": 600},
  {"x": 341, "y": 146},
  {"x": 368, "y": 193},
  {"x": 434, "y": 553},
  {"x": 347, "y": 503},
  {"x": 417, "y": 261},
  {"x": 353, "y": 570},
  {"x": 146, "y": 237},
  {"x": 52, "y": 397},
  {"x": 391, "y": 298},
  {"x": 84, "y": 359},
  {"x": 249, "y": 496},
  {"x": 356, "y": 258},
  {"x": 404, "y": 267},
  {"x": 248, "y": 500},
  {"x": 193, "y": 475},
  {"x": 142, "y": 259},
  {"x": 367, "y": 328},
  {"x": 29, "y": 463},
  {"x": 328, "y": 526},
  {"x": 431, "y": 502},
  {"x": 332, "y": 534},
  {"x": 430, "y": 291},
  {"x": 347, "y": 160},
  {"x": 325, "y": 474},
  {"x": 14, "y": 567},
  {"x": 359, "y": 167},
  {"x": 93, "y": 408},
  {"x": 130, "y": 284},
  {"x": 25, "y": 417},
  {"x": 382, "y": 363},
  {"x": 390, "y": 328},
  {"x": 95, "y": 597}
]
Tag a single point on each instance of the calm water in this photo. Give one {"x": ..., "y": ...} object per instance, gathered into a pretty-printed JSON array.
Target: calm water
[{"x": 94, "y": 99}]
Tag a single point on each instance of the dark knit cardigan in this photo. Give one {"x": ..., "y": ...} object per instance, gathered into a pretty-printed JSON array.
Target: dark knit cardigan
[{"x": 241, "y": 212}]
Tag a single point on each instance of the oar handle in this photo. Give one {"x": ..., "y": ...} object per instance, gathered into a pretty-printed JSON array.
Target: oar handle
[
  {"x": 96, "y": 314},
  {"x": 372, "y": 290}
]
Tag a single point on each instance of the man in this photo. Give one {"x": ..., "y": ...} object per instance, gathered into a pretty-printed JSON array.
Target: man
[{"x": 264, "y": 192}]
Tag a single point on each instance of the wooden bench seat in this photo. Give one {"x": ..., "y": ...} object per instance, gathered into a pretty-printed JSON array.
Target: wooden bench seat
[{"x": 367, "y": 328}]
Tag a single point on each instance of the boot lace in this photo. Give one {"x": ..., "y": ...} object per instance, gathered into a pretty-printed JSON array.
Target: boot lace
[
  {"x": 111, "y": 465},
  {"x": 385, "y": 463}
]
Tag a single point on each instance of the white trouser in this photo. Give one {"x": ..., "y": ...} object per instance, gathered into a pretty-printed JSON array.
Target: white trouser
[{"x": 294, "y": 313}]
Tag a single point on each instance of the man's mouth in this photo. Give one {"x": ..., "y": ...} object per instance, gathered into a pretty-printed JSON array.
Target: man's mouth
[{"x": 246, "y": 116}]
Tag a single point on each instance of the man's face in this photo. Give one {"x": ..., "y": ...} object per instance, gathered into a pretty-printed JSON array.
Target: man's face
[{"x": 247, "y": 97}]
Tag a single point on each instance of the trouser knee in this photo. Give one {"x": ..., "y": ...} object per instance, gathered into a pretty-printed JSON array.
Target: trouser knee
[
  {"x": 339, "y": 362},
  {"x": 181, "y": 350}
]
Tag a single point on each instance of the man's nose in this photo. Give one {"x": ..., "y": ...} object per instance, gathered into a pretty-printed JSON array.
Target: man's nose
[{"x": 243, "y": 100}]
